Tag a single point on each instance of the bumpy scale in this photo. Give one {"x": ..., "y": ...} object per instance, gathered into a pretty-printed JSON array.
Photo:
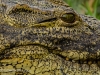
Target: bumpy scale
[{"x": 47, "y": 37}]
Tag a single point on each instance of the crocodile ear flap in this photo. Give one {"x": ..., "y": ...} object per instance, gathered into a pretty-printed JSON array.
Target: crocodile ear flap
[{"x": 19, "y": 7}]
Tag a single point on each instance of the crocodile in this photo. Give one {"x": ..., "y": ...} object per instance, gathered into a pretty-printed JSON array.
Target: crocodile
[{"x": 47, "y": 37}]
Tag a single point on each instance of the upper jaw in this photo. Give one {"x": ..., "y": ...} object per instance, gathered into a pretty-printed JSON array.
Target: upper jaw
[{"x": 58, "y": 37}]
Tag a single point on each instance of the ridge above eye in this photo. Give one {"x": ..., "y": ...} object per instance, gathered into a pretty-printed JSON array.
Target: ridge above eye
[{"x": 68, "y": 17}]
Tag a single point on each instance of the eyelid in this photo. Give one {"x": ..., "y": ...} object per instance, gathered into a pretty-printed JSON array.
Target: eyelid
[{"x": 68, "y": 17}]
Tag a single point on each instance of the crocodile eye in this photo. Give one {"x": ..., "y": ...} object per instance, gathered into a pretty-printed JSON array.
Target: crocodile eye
[{"x": 68, "y": 17}]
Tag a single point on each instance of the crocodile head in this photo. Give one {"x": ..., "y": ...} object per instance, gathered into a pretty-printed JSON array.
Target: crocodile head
[{"x": 51, "y": 24}]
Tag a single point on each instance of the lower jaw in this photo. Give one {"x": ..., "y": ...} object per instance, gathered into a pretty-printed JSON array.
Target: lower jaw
[{"x": 21, "y": 53}]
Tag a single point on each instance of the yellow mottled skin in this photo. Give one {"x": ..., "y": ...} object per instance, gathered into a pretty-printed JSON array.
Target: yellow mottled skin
[{"x": 47, "y": 37}]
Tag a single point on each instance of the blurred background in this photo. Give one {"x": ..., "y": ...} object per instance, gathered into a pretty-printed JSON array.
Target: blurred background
[{"x": 88, "y": 7}]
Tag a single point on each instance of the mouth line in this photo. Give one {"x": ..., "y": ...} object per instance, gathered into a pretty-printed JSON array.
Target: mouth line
[{"x": 80, "y": 61}]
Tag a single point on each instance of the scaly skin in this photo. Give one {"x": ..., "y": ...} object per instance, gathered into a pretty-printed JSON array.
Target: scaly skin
[{"x": 47, "y": 37}]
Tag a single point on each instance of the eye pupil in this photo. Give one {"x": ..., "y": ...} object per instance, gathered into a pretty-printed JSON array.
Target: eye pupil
[{"x": 68, "y": 17}]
